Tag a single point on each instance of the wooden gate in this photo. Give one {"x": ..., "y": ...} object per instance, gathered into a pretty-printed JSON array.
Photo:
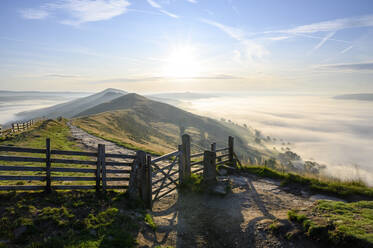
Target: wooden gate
[{"x": 165, "y": 174}]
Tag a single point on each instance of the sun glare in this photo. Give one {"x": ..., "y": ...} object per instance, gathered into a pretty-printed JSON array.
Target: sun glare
[{"x": 182, "y": 63}]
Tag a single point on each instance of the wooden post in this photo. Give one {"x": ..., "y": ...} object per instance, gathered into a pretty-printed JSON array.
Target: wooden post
[
  {"x": 181, "y": 164},
  {"x": 48, "y": 164},
  {"x": 98, "y": 167},
  {"x": 134, "y": 190},
  {"x": 232, "y": 161},
  {"x": 101, "y": 148},
  {"x": 213, "y": 147},
  {"x": 148, "y": 194},
  {"x": 185, "y": 155},
  {"x": 209, "y": 167}
]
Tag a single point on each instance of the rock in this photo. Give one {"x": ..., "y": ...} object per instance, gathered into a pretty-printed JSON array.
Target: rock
[
  {"x": 304, "y": 193},
  {"x": 219, "y": 189},
  {"x": 19, "y": 231},
  {"x": 227, "y": 168},
  {"x": 325, "y": 197},
  {"x": 223, "y": 172}
]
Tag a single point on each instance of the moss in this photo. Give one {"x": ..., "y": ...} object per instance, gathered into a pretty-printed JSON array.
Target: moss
[
  {"x": 149, "y": 220},
  {"x": 194, "y": 183},
  {"x": 52, "y": 220},
  {"x": 341, "y": 224},
  {"x": 327, "y": 185}
]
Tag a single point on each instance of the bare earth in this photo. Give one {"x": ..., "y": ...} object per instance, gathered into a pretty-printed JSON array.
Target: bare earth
[{"x": 239, "y": 219}]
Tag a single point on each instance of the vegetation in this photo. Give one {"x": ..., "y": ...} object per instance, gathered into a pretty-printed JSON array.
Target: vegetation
[
  {"x": 194, "y": 183},
  {"x": 61, "y": 139},
  {"x": 67, "y": 219},
  {"x": 149, "y": 220},
  {"x": 323, "y": 185},
  {"x": 137, "y": 122},
  {"x": 342, "y": 224}
]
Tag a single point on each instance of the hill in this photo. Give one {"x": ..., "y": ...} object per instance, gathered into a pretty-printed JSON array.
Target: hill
[
  {"x": 72, "y": 108},
  {"x": 138, "y": 122},
  {"x": 360, "y": 97}
]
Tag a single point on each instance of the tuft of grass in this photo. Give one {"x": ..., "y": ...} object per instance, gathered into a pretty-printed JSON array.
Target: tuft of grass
[
  {"x": 149, "y": 220},
  {"x": 341, "y": 224},
  {"x": 194, "y": 183},
  {"x": 325, "y": 185},
  {"x": 53, "y": 220}
]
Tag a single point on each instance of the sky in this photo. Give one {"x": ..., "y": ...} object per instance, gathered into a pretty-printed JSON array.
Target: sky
[{"x": 187, "y": 45}]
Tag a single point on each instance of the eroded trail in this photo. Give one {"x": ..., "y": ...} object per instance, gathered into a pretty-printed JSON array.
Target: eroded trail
[{"x": 240, "y": 219}]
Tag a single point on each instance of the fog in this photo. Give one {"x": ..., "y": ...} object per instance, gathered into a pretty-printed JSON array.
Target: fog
[
  {"x": 12, "y": 103},
  {"x": 338, "y": 133}
]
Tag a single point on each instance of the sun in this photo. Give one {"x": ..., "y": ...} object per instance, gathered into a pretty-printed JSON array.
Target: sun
[{"x": 182, "y": 63}]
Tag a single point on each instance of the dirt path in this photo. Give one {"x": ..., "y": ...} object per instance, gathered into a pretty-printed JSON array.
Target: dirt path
[{"x": 240, "y": 219}]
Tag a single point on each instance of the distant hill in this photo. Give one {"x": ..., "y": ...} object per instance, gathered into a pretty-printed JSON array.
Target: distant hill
[
  {"x": 72, "y": 108},
  {"x": 142, "y": 123},
  {"x": 360, "y": 97}
]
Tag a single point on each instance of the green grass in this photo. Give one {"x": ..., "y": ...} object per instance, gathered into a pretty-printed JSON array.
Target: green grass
[
  {"x": 67, "y": 219},
  {"x": 194, "y": 183},
  {"x": 61, "y": 139},
  {"x": 342, "y": 224},
  {"x": 149, "y": 220},
  {"x": 325, "y": 185}
]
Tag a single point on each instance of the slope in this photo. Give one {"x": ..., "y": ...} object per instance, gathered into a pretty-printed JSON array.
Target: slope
[
  {"x": 71, "y": 108},
  {"x": 138, "y": 122}
]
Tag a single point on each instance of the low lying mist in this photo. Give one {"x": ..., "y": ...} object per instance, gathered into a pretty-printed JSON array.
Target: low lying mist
[{"x": 338, "y": 133}]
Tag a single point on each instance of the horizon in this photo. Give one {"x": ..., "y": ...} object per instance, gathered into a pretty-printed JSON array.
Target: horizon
[{"x": 187, "y": 45}]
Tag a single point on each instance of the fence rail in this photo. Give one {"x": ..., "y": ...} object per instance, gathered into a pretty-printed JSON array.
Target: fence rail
[
  {"x": 16, "y": 127},
  {"x": 96, "y": 174}
]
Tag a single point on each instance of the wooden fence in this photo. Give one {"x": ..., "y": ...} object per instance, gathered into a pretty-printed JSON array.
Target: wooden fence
[
  {"x": 98, "y": 172},
  {"x": 16, "y": 127},
  {"x": 136, "y": 173}
]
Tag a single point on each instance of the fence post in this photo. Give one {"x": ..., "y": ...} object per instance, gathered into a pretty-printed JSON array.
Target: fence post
[
  {"x": 232, "y": 161},
  {"x": 134, "y": 188},
  {"x": 213, "y": 147},
  {"x": 101, "y": 148},
  {"x": 209, "y": 167},
  {"x": 98, "y": 167},
  {"x": 181, "y": 164},
  {"x": 185, "y": 155},
  {"x": 148, "y": 194},
  {"x": 48, "y": 164}
]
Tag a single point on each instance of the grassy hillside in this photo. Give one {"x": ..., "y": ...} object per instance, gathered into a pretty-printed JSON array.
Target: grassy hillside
[
  {"x": 61, "y": 139},
  {"x": 135, "y": 121},
  {"x": 71, "y": 108}
]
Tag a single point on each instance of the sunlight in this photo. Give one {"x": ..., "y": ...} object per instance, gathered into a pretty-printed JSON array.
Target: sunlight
[{"x": 182, "y": 63}]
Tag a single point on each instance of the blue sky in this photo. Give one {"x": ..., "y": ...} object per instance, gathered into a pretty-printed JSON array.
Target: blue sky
[{"x": 179, "y": 45}]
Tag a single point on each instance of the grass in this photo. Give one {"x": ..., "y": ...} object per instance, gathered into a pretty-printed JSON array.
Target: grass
[
  {"x": 194, "y": 183},
  {"x": 61, "y": 139},
  {"x": 149, "y": 220},
  {"x": 67, "y": 219},
  {"x": 323, "y": 185},
  {"x": 341, "y": 224}
]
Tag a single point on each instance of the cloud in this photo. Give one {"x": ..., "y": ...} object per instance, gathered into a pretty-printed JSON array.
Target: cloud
[
  {"x": 147, "y": 79},
  {"x": 325, "y": 39},
  {"x": 62, "y": 76},
  {"x": 279, "y": 38},
  {"x": 251, "y": 49},
  {"x": 347, "y": 49},
  {"x": 82, "y": 11},
  {"x": 365, "y": 66},
  {"x": 34, "y": 14},
  {"x": 192, "y": 1},
  {"x": 333, "y": 25},
  {"x": 160, "y": 8},
  {"x": 154, "y": 4}
]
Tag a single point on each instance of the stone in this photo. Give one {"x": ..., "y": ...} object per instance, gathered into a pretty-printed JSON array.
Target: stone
[
  {"x": 222, "y": 172},
  {"x": 219, "y": 189},
  {"x": 325, "y": 197}
]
